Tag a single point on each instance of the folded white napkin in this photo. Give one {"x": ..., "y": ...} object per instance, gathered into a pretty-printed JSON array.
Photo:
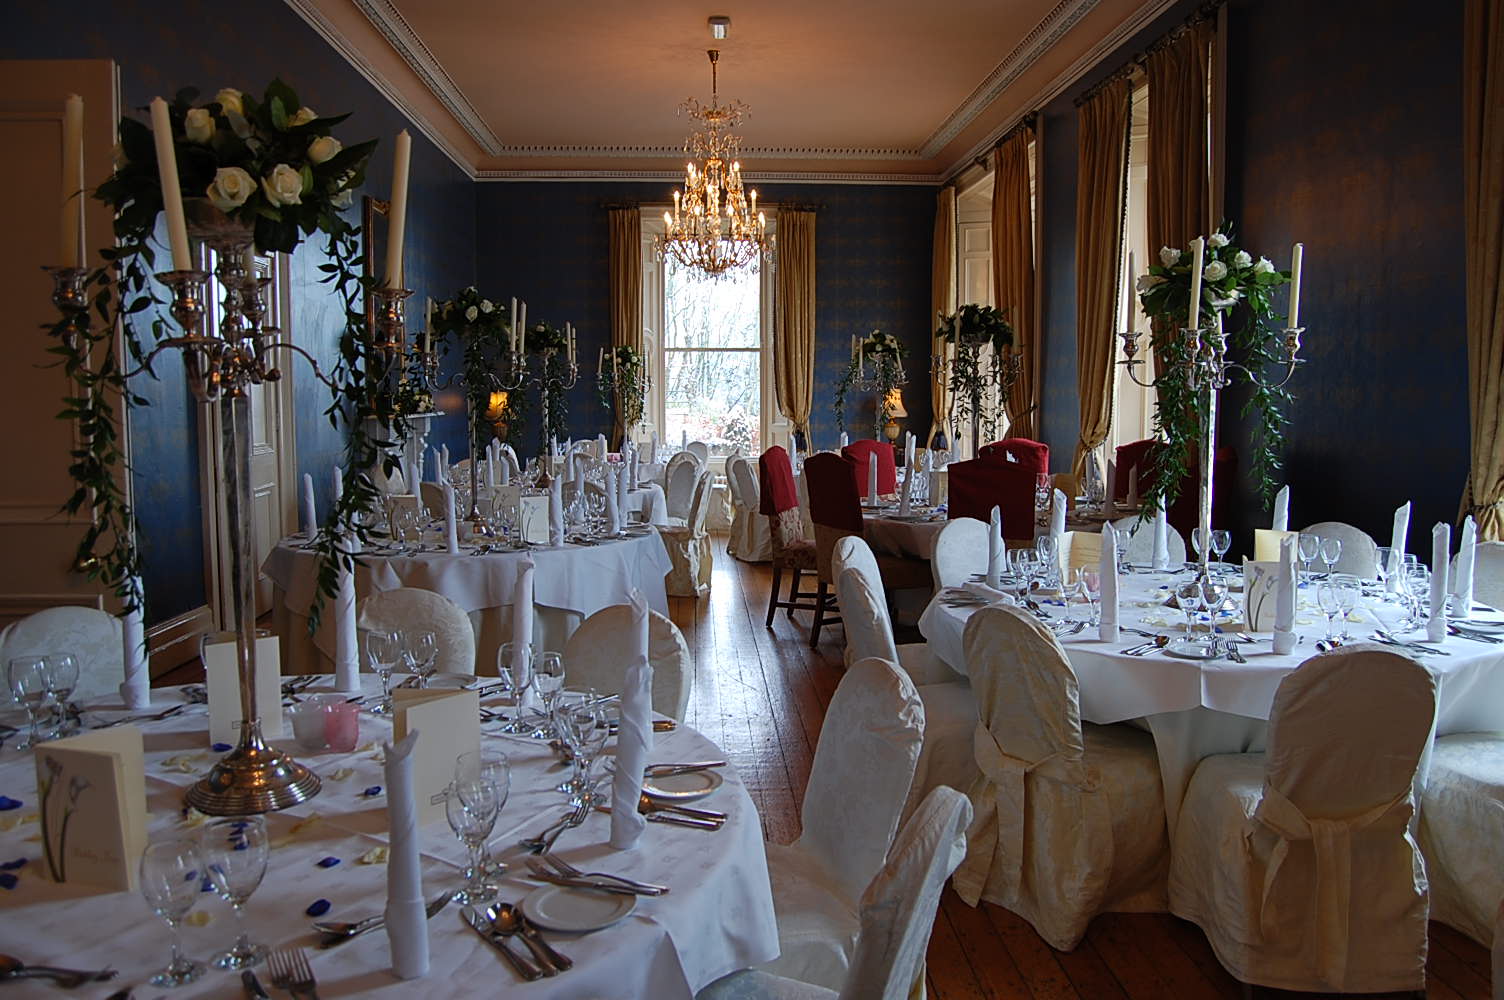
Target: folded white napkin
[
  {"x": 845, "y": 440},
  {"x": 444, "y": 464},
  {"x": 621, "y": 478},
  {"x": 600, "y": 446},
  {"x": 1281, "y": 520},
  {"x": 1397, "y": 545},
  {"x": 908, "y": 450},
  {"x": 653, "y": 449},
  {"x": 1462, "y": 584},
  {"x": 991, "y": 594},
  {"x": 136, "y": 690},
  {"x": 1284, "y": 598},
  {"x": 310, "y": 516},
  {"x": 522, "y": 631},
  {"x": 503, "y": 470},
  {"x": 413, "y": 473},
  {"x": 613, "y": 507},
  {"x": 634, "y": 466},
  {"x": 556, "y": 512},
  {"x": 906, "y": 500},
  {"x": 491, "y": 469},
  {"x": 451, "y": 523},
  {"x": 438, "y": 467},
  {"x": 1441, "y": 560},
  {"x": 406, "y": 923},
  {"x": 1108, "y": 570},
  {"x": 996, "y": 551},
  {"x": 634, "y": 737},
  {"x": 1161, "y": 537},
  {"x": 1057, "y": 519},
  {"x": 872, "y": 479},
  {"x": 346, "y": 649},
  {"x": 570, "y": 467}
]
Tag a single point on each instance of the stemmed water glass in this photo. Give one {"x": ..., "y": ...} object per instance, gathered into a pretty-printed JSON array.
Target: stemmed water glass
[
  {"x": 1417, "y": 583},
  {"x": 170, "y": 876},
  {"x": 1329, "y": 599},
  {"x": 548, "y": 678},
  {"x": 1331, "y": 551},
  {"x": 62, "y": 678},
  {"x": 494, "y": 767},
  {"x": 581, "y": 722},
  {"x": 1381, "y": 569},
  {"x": 516, "y": 679},
  {"x": 421, "y": 651},
  {"x": 1350, "y": 592},
  {"x": 28, "y": 685},
  {"x": 1213, "y": 593},
  {"x": 1308, "y": 548},
  {"x": 1047, "y": 553},
  {"x": 383, "y": 650},
  {"x": 1189, "y": 597},
  {"x": 235, "y": 850},
  {"x": 471, "y": 806},
  {"x": 1221, "y": 542}
]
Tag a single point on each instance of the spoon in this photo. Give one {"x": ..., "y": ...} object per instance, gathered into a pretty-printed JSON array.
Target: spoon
[
  {"x": 507, "y": 921},
  {"x": 13, "y": 968}
]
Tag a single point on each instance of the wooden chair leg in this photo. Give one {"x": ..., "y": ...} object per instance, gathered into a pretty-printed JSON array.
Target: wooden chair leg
[
  {"x": 814, "y": 629},
  {"x": 773, "y": 594},
  {"x": 793, "y": 594}
]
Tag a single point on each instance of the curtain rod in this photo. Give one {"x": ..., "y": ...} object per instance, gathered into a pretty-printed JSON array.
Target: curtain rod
[{"x": 1136, "y": 61}]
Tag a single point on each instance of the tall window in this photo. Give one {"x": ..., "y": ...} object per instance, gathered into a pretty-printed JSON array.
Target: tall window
[{"x": 1132, "y": 404}]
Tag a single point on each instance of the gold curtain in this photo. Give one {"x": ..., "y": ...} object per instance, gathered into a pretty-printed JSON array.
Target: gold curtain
[
  {"x": 1483, "y": 166},
  {"x": 1013, "y": 274},
  {"x": 1102, "y": 165},
  {"x": 942, "y": 303},
  {"x": 794, "y": 318},
  {"x": 626, "y": 291}
]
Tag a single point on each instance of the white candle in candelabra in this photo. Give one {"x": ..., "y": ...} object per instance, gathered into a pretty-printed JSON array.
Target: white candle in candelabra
[
  {"x": 73, "y": 182},
  {"x": 1198, "y": 259},
  {"x": 512, "y": 333},
  {"x": 1128, "y": 296},
  {"x": 397, "y": 215},
  {"x": 172, "y": 194},
  {"x": 1297, "y": 257},
  {"x": 600, "y": 362},
  {"x": 614, "y": 371},
  {"x": 522, "y": 330}
]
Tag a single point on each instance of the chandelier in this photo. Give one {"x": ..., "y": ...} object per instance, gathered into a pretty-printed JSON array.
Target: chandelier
[{"x": 714, "y": 226}]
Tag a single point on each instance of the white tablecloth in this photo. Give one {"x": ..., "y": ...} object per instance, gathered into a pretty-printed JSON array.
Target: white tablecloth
[
  {"x": 571, "y": 583},
  {"x": 717, "y": 918},
  {"x": 1197, "y": 708}
]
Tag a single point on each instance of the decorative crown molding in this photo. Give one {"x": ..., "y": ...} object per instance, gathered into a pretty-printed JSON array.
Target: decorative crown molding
[
  {"x": 670, "y": 152},
  {"x": 669, "y": 177}
]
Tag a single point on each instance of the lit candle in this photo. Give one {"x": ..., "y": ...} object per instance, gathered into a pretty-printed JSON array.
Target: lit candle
[
  {"x": 1198, "y": 257},
  {"x": 73, "y": 182},
  {"x": 397, "y": 215},
  {"x": 1296, "y": 257},
  {"x": 172, "y": 194}
]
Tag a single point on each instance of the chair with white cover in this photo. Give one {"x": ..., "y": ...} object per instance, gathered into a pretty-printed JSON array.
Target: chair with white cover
[
  {"x": 1297, "y": 862},
  {"x": 680, "y": 477},
  {"x": 700, "y": 450},
  {"x": 1360, "y": 553},
  {"x": 897, "y": 915},
  {"x": 592, "y": 658},
  {"x": 754, "y": 543},
  {"x": 1488, "y": 574},
  {"x": 1070, "y": 818},
  {"x": 412, "y": 609},
  {"x": 858, "y": 783},
  {"x": 1139, "y": 547},
  {"x": 91, "y": 635},
  {"x": 960, "y": 551},
  {"x": 1462, "y": 832},
  {"x": 689, "y": 550},
  {"x": 432, "y": 495}
]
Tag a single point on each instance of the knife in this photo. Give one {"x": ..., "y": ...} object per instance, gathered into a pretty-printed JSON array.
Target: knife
[
  {"x": 525, "y": 968},
  {"x": 253, "y": 987}
]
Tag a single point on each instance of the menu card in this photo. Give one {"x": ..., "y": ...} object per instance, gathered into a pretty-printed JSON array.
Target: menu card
[
  {"x": 1266, "y": 543},
  {"x": 91, "y": 796},
  {"x": 1260, "y": 592},
  {"x": 222, "y": 679},
  {"x": 530, "y": 512},
  {"x": 450, "y": 723}
]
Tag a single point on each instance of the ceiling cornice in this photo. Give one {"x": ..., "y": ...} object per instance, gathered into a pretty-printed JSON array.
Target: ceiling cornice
[
  {"x": 675, "y": 152},
  {"x": 670, "y": 177}
]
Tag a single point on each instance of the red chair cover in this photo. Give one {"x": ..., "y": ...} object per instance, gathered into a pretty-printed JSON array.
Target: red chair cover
[
  {"x": 776, "y": 477},
  {"x": 887, "y": 465},
  {"x": 833, "y": 497},
  {"x": 992, "y": 481},
  {"x": 1134, "y": 455},
  {"x": 1032, "y": 455}
]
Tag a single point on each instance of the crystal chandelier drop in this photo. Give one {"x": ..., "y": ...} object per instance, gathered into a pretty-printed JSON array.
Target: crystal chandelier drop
[{"x": 714, "y": 226}]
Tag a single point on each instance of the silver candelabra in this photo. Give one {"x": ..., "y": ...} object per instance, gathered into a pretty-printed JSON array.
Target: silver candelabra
[
  {"x": 518, "y": 374},
  {"x": 1008, "y": 371}
]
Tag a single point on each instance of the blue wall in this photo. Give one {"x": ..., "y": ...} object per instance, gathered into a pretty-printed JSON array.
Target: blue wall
[{"x": 161, "y": 47}]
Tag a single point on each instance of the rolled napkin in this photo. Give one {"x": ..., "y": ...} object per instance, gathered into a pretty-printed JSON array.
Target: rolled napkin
[
  {"x": 406, "y": 923},
  {"x": 653, "y": 448},
  {"x": 1161, "y": 537},
  {"x": 556, "y": 512},
  {"x": 414, "y": 474},
  {"x": 339, "y": 483},
  {"x": 444, "y": 463},
  {"x": 522, "y": 630},
  {"x": 990, "y": 594},
  {"x": 906, "y": 500},
  {"x": 621, "y": 490},
  {"x": 872, "y": 479},
  {"x": 613, "y": 507},
  {"x": 1284, "y": 598},
  {"x": 845, "y": 440},
  {"x": 908, "y": 449},
  {"x": 634, "y": 467},
  {"x": 570, "y": 468},
  {"x": 451, "y": 523},
  {"x": 1462, "y": 584},
  {"x": 1441, "y": 559},
  {"x": 310, "y": 515},
  {"x": 1281, "y": 520},
  {"x": 1397, "y": 546},
  {"x": 1108, "y": 630},
  {"x": 1057, "y": 519},
  {"x": 346, "y": 648},
  {"x": 438, "y": 468},
  {"x": 504, "y": 470},
  {"x": 996, "y": 552},
  {"x": 634, "y": 737},
  {"x": 136, "y": 689},
  {"x": 491, "y": 469}
]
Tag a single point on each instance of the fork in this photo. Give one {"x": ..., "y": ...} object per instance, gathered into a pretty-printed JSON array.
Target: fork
[
  {"x": 565, "y": 868},
  {"x": 544, "y": 842},
  {"x": 290, "y": 972}
]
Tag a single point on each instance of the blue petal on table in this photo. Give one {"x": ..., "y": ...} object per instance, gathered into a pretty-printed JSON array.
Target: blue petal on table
[
  {"x": 374, "y": 790},
  {"x": 221, "y": 748},
  {"x": 11, "y": 866},
  {"x": 8, "y": 880},
  {"x": 318, "y": 908},
  {"x": 7, "y": 803},
  {"x": 328, "y": 862}
]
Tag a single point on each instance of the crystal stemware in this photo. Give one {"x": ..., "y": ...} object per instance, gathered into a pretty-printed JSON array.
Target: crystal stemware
[
  {"x": 1308, "y": 548},
  {"x": 1329, "y": 599},
  {"x": 421, "y": 651},
  {"x": 383, "y": 650},
  {"x": 581, "y": 722},
  {"x": 1331, "y": 551},
  {"x": 234, "y": 851},
  {"x": 28, "y": 685},
  {"x": 492, "y": 766},
  {"x": 171, "y": 874},
  {"x": 1189, "y": 598},
  {"x": 471, "y": 807},
  {"x": 1350, "y": 593},
  {"x": 516, "y": 678},
  {"x": 1221, "y": 542},
  {"x": 1381, "y": 568},
  {"x": 548, "y": 678},
  {"x": 62, "y": 678},
  {"x": 1417, "y": 582}
]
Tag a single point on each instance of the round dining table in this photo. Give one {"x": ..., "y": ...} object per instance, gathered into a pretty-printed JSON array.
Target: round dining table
[
  {"x": 912, "y": 535},
  {"x": 1196, "y": 708},
  {"x": 716, "y": 917}
]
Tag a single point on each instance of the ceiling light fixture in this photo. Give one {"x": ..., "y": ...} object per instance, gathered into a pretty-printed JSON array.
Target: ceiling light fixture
[
  {"x": 701, "y": 233},
  {"x": 720, "y": 26}
]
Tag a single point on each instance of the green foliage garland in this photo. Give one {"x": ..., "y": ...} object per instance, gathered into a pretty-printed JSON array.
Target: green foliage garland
[
  {"x": 886, "y": 355},
  {"x": 969, "y": 329},
  {"x": 631, "y": 385}
]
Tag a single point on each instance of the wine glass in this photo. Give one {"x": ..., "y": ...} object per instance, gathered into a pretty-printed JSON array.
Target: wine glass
[
  {"x": 1213, "y": 593},
  {"x": 28, "y": 685},
  {"x": 234, "y": 850},
  {"x": 1221, "y": 542},
  {"x": 383, "y": 650},
  {"x": 494, "y": 767},
  {"x": 1331, "y": 551},
  {"x": 1329, "y": 599},
  {"x": 1308, "y": 548},
  {"x": 581, "y": 723},
  {"x": 171, "y": 874},
  {"x": 471, "y": 806},
  {"x": 1381, "y": 568},
  {"x": 1190, "y": 599},
  {"x": 1417, "y": 580},
  {"x": 421, "y": 651},
  {"x": 1047, "y": 552},
  {"x": 516, "y": 678},
  {"x": 1350, "y": 592},
  {"x": 62, "y": 678},
  {"x": 548, "y": 678},
  {"x": 1093, "y": 583}
]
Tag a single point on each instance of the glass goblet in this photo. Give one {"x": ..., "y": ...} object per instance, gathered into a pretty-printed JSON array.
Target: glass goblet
[
  {"x": 1350, "y": 594},
  {"x": 517, "y": 678},
  {"x": 581, "y": 722},
  {"x": 421, "y": 651},
  {"x": 1189, "y": 598},
  {"x": 1381, "y": 568},
  {"x": 1221, "y": 542},
  {"x": 28, "y": 685},
  {"x": 235, "y": 851},
  {"x": 1331, "y": 551},
  {"x": 1329, "y": 599},
  {"x": 171, "y": 873},
  {"x": 471, "y": 808},
  {"x": 492, "y": 766},
  {"x": 383, "y": 650},
  {"x": 548, "y": 678},
  {"x": 1308, "y": 548},
  {"x": 62, "y": 678}
]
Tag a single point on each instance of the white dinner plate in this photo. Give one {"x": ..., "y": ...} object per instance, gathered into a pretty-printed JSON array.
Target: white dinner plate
[
  {"x": 576, "y": 911},
  {"x": 1480, "y": 626},
  {"x": 1187, "y": 650},
  {"x": 682, "y": 787}
]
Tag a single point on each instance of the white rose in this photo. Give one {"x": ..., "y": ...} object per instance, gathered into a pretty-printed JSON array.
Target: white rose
[
  {"x": 1241, "y": 259},
  {"x": 228, "y": 100},
  {"x": 284, "y": 186},
  {"x": 1148, "y": 281},
  {"x": 1264, "y": 266},
  {"x": 486, "y": 306},
  {"x": 198, "y": 124},
  {"x": 1168, "y": 256},
  {"x": 470, "y": 314},
  {"x": 325, "y": 147},
  {"x": 230, "y": 188},
  {"x": 302, "y": 117},
  {"x": 1215, "y": 271},
  {"x": 1216, "y": 240}
]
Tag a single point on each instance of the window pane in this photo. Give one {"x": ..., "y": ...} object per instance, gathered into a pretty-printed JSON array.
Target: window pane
[
  {"x": 711, "y": 312},
  {"x": 713, "y": 396}
]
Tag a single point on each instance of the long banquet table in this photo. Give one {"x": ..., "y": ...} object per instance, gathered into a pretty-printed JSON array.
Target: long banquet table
[
  {"x": 718, "y": 916},
  {"x": 1197, "y": 708}
]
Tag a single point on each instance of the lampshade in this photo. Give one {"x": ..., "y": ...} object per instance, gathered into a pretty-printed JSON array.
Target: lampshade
[{"x": 895, "y": 404}]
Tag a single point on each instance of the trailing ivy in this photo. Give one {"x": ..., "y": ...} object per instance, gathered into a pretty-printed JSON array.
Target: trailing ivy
[
  {"x": 970, "y": 329},
  {"x": 630, "y": 386},
  {"x": 886, "y": 355}
]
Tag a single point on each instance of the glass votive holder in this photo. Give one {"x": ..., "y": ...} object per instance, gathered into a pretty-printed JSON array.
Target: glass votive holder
[
  {"x": 309, "y": 724},
  {"x": 341, "y": 725}
]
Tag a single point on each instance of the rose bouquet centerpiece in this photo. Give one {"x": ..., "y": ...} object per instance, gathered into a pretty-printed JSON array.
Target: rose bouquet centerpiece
[
  {"x": 550, "y": 344},
  {"x": 481, "y": 330},
  {"x": 885, "y": 354},
  {"x": 622, "y": 384},
  {"x": 982, "y": 342},
  {"x": 1236, "y": 299}
]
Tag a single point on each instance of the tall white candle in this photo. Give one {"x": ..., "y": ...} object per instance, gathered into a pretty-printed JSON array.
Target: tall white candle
[
  {"x": 600, "y": 362},
  {"x": 396, "y": 228},
  {"x": 1297, "y": 256},
  {"x": 513, "y": 316},
  {"x": 73, "y": 182},
  {"x": 1198, "y": 260},
  {"x": 1128, "y": 296},
  {"x": 522, "y": 331},
  {"x": 172, "y": 195}
]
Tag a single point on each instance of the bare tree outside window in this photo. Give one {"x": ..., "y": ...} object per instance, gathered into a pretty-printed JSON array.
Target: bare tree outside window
[{"x": 712, "y": 358}]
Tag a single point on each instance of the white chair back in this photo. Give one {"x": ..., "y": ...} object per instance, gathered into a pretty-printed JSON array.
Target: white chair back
[
  {"x": 700, "y": 450},
  {"x": 699, "y": 507},
  {"x": 746, "y": 485},
  {"x": 859, "y": 587},
  {"x": 413, "y": 609},
  {"x": 91, "y": 635},
  {"x": 732, "y": 486},
  {"x": 1360, "y": 553},
  {"x": 1139, "y": 547},
  {"x": 898, "y": 908},
  {"x": 680, "y": 477},
  {"x": 860, "y": 777},
  {"x": 1488, "y": 574},
  {"x": 960, "y": 551},
  {"x": 592, "y": 658},
  {"x": 432, "y": 495}
]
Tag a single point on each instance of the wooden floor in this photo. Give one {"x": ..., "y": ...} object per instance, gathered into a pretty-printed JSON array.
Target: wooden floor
[{"x": 761, "y": 694}]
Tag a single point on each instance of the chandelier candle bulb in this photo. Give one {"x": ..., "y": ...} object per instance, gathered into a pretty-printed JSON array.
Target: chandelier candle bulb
[
  {"x": 73, "y": 182},
  {"x": 172, "y": 194},
  {"x": 1198, "y": 261},
  {"x": 1297, "y": 257},
  {"x": 397, "y": 215}
]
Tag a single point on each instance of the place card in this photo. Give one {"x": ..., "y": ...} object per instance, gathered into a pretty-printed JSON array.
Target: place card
[
  {"x": 222, "y": 679},
  {"x": 1266, "y": 543},
  {"x": 91, "y": 799},
  {"x": 1261, "y": 589},
  {"x": 530, "y": 512},
  {"x": 448, "y": 724}
]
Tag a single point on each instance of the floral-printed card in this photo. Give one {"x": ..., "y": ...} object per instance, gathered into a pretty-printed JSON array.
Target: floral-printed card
[
  {"x": 222, "y": 682},
  {"x": 91, "y": 796}
]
